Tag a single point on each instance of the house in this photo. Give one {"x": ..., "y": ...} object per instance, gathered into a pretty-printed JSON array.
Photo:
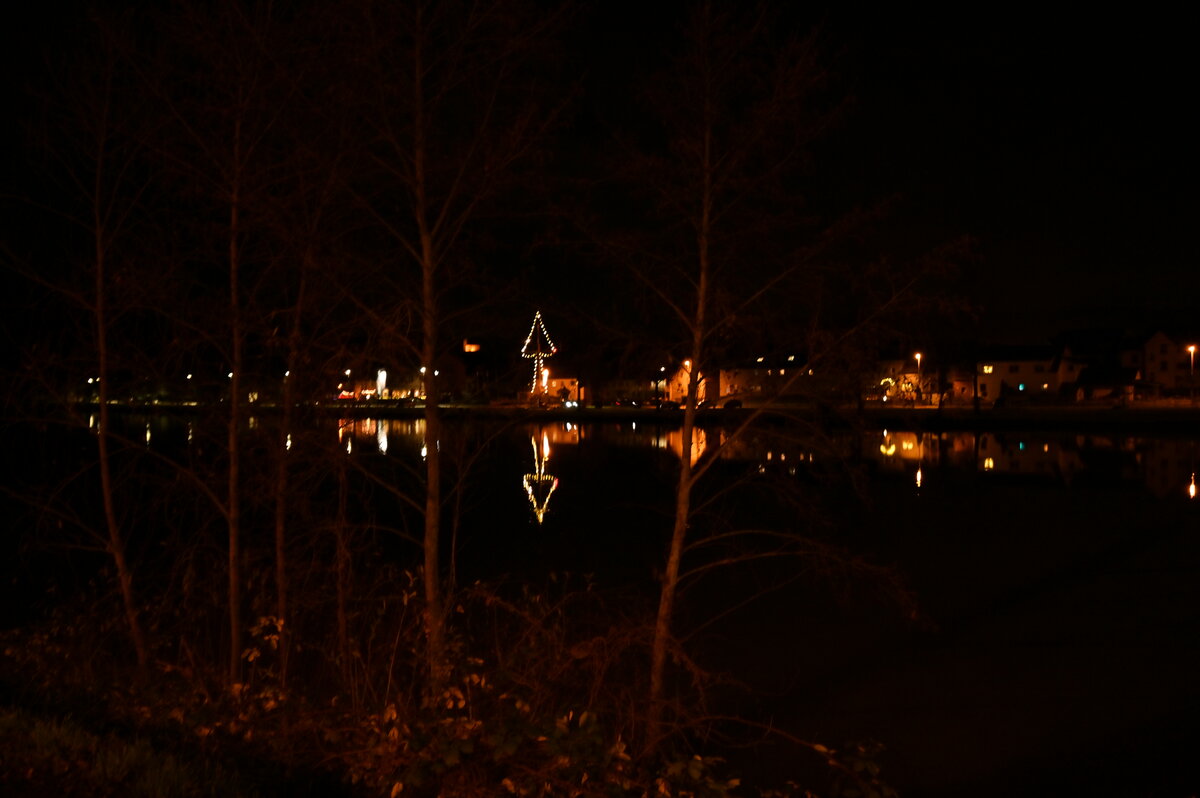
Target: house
[
  {"x": 674, "y": 385},
  {"x": 566, "y": 389},
  {"x": 896, "y": 380},
  {"x": 1030, "y": 371},
  {"x": 761, "y": 379},
  {"x": 1169, "y": 362}
]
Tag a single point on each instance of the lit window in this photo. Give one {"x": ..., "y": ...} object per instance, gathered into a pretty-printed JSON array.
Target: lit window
[
  {"x": 988, "y": 369},
  {"x": 988, "y": 464}
]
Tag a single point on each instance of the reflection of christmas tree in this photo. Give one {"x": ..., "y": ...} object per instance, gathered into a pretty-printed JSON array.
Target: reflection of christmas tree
[
  {"x": 538, "y": 347},
  {"x": 539, "y": 485}
]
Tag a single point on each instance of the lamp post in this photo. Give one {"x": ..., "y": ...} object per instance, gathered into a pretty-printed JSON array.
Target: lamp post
[
  {"x": 918, "y": 357},
  {"x": 1192, "y": 370}
]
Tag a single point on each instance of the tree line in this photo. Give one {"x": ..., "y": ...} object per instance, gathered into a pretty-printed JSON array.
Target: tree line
[{"x": 238, "y": 188}]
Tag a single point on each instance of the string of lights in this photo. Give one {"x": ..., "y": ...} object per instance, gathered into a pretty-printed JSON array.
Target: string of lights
[{"x": 537, "y": 333}]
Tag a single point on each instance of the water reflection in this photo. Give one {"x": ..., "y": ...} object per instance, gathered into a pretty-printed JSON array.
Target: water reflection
[
  {"x": 540, "y": 484},
  {"x": 1166, "y": 466},
  {"x": 378, "y": 433},
  {"x": 1163, "y": 465},
  {"x": 700, "y": 441}
]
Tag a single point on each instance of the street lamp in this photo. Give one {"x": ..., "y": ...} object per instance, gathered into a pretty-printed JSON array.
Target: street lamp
[
  {"x": 918, "y": 357},
  {"x": 1192, "y": 370}
]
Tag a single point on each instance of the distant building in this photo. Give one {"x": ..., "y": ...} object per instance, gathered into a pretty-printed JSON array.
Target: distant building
[
  {"x": 1026, "y": 370},
  {"x": 1168, "y": 365}
]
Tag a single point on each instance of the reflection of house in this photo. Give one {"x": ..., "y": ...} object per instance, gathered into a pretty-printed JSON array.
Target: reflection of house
[
  {"x": 1026, "y": 454},
  {"x": 1170, "y": 465}
]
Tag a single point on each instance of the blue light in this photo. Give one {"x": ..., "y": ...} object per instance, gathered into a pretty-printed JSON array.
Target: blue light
[{"x": 1021, "y": 387}]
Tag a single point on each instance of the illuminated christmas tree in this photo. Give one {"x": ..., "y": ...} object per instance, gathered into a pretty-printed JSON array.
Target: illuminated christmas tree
[{"x": 538, "y": 347}]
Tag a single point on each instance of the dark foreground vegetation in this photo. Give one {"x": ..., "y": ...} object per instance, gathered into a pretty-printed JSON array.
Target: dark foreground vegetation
[{"x": 543, "y": 697}]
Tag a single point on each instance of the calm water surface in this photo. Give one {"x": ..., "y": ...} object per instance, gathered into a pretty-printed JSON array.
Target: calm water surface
[{"x": 1052, "y": 643}]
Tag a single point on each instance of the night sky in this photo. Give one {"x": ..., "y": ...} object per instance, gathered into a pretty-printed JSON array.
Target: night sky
[{"x": 1063, "y": 146}]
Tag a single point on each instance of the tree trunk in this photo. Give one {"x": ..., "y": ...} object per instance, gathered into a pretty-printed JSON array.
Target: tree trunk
[
  {"x": 281, "y": 491},
  {"x": 233, "y": 507},
  {"x": 434, "y": 600},
  {"x": 655, "y": 724},
  {"x": 342, "y": 574},
  {"x": 116, "y": 542}
]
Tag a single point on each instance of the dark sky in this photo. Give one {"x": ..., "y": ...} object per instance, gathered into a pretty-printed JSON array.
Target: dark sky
[{"x": 1065, "y": 145}]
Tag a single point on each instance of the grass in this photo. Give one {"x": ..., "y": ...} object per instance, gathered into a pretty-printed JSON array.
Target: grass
[{"x": 58, "y": 756}]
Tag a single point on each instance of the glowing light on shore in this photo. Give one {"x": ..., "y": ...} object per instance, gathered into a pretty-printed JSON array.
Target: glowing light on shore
[{"x": 534, "y": 350}]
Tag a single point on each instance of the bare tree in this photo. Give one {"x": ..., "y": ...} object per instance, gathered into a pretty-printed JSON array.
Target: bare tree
[
  {"x": 732, "y": 241},
  {"x": 451, "y": 118},
  {"x": 225, "y": 91},
  {"x": 95, "y": 147}
]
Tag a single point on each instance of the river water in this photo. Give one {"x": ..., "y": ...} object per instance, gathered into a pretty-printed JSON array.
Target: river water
[
  {"x": 1051, "y": 642},
  {"x": 1008, "y": 612}
]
